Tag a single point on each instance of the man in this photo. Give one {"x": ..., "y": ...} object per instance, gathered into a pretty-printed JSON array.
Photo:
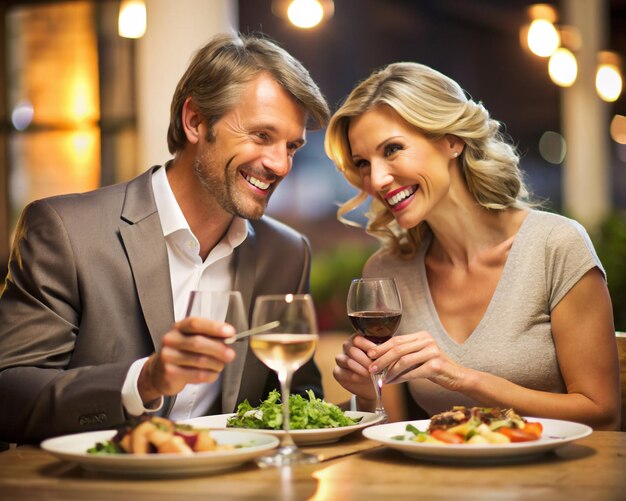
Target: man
[{"x": 92, "y": 316}]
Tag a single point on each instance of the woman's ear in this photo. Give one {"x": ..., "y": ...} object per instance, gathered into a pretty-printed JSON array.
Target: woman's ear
[
  {"x": 191, "y": 121},
  {"x": 455, "y": 145}
]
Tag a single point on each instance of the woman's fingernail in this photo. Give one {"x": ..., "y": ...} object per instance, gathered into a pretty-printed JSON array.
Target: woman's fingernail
[
  {"x": 373, "y": 368},
  {"x": 371, "y": 354}
]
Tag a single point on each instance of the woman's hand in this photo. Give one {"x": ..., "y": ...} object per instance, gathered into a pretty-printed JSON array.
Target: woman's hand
[
  {"x": 352, "y": 369},
  {"x": 413, "y": 356}
]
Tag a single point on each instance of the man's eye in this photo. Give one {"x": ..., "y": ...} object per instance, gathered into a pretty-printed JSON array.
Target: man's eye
[
  {"x": 390, "y": 149},
  {"x": 263, "y": 136}
]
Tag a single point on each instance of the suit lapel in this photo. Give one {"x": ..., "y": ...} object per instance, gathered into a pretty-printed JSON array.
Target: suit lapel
[
  {"x": 142, "y": 235},
  {"x": 244, "y": 263},
  {"x": 145, "y": 246}
]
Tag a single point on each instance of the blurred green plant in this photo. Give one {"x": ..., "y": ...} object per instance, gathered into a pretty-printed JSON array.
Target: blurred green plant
[
  {"x": 331, "y": 274},
  {"x": 610, "y": 243}
]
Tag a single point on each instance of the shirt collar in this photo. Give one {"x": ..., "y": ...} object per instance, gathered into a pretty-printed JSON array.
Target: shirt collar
[{"x": 173, "y": 219}]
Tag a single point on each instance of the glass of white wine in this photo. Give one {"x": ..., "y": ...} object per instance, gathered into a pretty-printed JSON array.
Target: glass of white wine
[{"x": 285, "y": 349}]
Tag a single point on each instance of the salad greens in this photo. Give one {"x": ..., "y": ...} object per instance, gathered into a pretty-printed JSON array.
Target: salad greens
[
  {"x": 305, "y": 414},
  {"x": 107, "y": 447}
]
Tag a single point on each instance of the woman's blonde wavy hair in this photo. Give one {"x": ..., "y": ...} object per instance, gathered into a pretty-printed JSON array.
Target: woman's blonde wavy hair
[{"x": 436, "y": 106}]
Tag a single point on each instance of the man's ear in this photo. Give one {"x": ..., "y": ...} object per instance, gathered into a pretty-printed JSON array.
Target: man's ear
[{"x": 191, "y": 120}]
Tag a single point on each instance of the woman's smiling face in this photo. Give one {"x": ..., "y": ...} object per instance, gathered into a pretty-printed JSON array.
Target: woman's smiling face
[{"x": 398, "y": 164}]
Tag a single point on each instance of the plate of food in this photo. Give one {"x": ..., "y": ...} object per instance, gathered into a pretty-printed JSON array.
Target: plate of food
[
  {"x": 159, "y": 447},
  {"x": 477, "y": 435},
  {"x": 313, "y": 421}
]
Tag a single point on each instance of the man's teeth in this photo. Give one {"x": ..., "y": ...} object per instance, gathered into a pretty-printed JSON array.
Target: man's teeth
[
  {"x": 257, "y": 182},
  {"x": 398, "y": 197}
]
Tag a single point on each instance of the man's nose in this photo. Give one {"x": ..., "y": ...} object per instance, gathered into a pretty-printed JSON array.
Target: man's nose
[{"x": 278, "y": 160}]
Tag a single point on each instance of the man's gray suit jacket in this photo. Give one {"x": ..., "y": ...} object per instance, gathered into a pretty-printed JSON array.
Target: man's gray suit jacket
[{"x": 88, "y": 292}]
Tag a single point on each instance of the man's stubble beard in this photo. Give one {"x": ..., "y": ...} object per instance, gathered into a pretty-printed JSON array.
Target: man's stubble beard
[{"x": 224, "y": 189}]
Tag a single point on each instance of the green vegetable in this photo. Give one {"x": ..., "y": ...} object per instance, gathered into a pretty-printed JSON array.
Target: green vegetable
[
  {"x": 305, "y": 414},
  {"x": 107, "y": 447},
  {"x": 418, "y": 435}
]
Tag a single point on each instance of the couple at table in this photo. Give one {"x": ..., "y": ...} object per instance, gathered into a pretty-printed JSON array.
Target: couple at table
[{"x": 504, "y": 305}]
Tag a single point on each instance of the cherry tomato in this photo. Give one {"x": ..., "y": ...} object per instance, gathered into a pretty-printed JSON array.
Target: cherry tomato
[
  {"x": 535, "y": 428},
  {"x": 447, "y": 437},
  {"x": 517, "y": 435}
]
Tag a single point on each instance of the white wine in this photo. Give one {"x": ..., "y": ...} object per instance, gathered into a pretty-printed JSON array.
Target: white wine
[{"x": 282, "y": 352}]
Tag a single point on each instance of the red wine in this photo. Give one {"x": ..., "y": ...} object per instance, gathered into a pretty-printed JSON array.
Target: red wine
[{"x": 377, "y": 326}]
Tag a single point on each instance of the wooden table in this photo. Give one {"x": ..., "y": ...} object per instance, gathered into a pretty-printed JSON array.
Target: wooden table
[{"x": 593, "y": 468}]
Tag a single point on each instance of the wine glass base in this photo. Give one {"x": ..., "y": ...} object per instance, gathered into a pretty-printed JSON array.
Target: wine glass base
[
  {"x": 286, "y": 456},
  {"x": 384, "y": 416}
]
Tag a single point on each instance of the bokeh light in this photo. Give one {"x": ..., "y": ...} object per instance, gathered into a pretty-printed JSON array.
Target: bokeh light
[
  {"x": 543, "y": 39},
  {"x": 132, "y": 19},
  {"x": 608, "y": 82},
  {"x": 305, "y": 13},
  {"x": 552, "y": 147},
  {"x": 22, "y": 115},
  {"x": 618, "y": 129},
  {"x": 563, "y": 67}
]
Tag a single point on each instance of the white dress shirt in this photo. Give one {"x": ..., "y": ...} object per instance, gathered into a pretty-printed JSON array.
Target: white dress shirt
[{"x": 187, "y": 272}]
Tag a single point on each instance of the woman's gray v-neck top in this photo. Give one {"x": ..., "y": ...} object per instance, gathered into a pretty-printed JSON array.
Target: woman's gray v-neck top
[{"x": 513, "y": 340}]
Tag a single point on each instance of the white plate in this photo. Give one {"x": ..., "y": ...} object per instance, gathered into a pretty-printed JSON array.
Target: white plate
[
  {"x": 555, "y": 434},
  {"x": 300, "y": 437},
  {"x": 74, "y": 448}
]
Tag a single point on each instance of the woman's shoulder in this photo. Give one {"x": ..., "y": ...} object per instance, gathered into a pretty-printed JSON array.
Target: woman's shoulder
[
  {"x": 565, "y": 240},
  {"x": 556, "y": 227}
]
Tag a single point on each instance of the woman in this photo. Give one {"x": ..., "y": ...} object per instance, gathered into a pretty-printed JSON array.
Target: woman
[{"x": 503, "y": 305}]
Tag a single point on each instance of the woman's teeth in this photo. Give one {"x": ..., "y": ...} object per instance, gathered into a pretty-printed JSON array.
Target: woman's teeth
[
  {"x": 398, "y": 197},
  {"x": 257, "y": 182}
]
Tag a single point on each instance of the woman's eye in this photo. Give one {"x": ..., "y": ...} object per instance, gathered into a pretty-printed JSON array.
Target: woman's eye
[
  {"x": 390, "y": 149},
  {"x": 361, "y": 164}
]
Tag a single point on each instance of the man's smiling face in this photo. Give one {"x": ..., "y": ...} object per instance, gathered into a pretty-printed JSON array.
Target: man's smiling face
[{"x": 251, "y": 149}]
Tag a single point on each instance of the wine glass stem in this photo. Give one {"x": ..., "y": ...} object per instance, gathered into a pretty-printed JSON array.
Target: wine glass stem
[
  {"x": 377, "y": 379},
  {"x": 285, "y": 387}
]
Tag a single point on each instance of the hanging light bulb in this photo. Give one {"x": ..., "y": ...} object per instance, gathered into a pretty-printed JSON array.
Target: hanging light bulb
[
  {"x": 608, "y": 77},
  {"x": 563, "y": 67},
  {"x": 542, "y": 37},
  {"x": 304, "y": 13},
  {"x": 132, "y": 19}
]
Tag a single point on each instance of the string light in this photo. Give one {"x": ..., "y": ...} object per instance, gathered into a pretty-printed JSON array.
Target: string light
[
  {"x": 608, "y": 78},
  {"x": 544, "y": 40},
  {"x": 132, "y": 19},
  {"x": 304, "y": 14},
  {"x": 563, "y": 67}
]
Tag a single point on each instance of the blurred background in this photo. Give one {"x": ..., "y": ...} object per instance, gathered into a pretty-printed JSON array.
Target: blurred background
[{"x": 86, "y": 86}]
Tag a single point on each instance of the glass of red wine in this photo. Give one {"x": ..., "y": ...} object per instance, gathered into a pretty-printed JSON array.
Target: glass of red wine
[{"x": 375, "y": 310}]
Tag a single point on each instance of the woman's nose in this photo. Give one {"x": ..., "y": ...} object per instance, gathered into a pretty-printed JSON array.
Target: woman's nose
[{"x": 380, "y": 176}]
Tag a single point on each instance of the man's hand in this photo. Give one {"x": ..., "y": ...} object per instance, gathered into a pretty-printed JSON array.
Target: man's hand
[{"x": 192, "y": 352}]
